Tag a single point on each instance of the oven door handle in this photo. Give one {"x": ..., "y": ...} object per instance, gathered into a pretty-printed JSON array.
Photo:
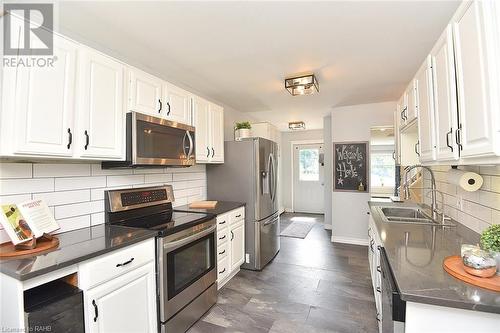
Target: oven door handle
[{"x": 188, "y": 239}]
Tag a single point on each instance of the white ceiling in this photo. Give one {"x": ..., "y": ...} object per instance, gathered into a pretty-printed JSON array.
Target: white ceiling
[{"x": 238, "y": 53}]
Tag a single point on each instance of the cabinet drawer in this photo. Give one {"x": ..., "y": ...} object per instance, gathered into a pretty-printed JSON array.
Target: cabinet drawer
[
  {"x": 222, "y": 268},
  {"x": 222, "y": 235},
  {"x": 237, "y": 214},
  {"x": 223, "y": 220},
  {"x": 222, "y": 250},
  {"x": 116, "y": 263}
]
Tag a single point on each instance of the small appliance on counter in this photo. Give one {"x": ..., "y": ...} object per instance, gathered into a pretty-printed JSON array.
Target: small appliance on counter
[{"x": 185, "y": 247}]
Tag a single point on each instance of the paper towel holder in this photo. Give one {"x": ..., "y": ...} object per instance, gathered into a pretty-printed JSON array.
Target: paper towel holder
[{"x": 470, "y": 181}]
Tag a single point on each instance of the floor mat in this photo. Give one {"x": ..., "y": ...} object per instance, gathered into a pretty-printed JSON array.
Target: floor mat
[{"x": 298, "y": 229}]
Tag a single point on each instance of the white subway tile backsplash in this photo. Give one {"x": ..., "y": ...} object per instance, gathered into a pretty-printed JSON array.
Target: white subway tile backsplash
[
  {"x": 20, "y": 186},
  {"x": 495, "y": 184},
  {"x": 158, "y": 178},
  {"x": 75, "y": 192},
  {"x": 76, "y": 183},
  {"x": 60, "y": 170},
  {"x": 493, "y": 170},
  {"x": 63, "y": 197},
  {"x": 125, "y": 180},
  {"x": 16, "y": 170},
  {"x": 490, "y": 199}
]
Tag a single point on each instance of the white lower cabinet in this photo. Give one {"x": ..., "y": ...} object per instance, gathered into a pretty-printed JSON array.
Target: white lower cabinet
[
  {"x": 124, "y": 304},
  {"x": 119, "y": 290},
  {"x": 374, "y": 246},
  {"x": 230, "y": 244}
]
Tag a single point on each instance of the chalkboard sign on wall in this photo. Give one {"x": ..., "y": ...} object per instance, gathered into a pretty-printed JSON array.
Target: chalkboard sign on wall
[{"x": 350, "y": 166}]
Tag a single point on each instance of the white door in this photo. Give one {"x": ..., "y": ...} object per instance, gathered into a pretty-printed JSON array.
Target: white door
[
  {"x": 45, "y": 103},
  {"x": 202, "y": 133},
  {"x": 445, "y": 97},
  {"x": 216, "y": 134},
  {"x": 237, "y": 245},
  {"x": 177, "y": 104},
  {"x": 101, "y": 113},
  {"x": 124, "y": 304},
  {"x": 308, "y": 178},
  {"x": 426, "y": 145},
  {"x": 145, "y": 93},
  {"x": 475, "y": 97}
]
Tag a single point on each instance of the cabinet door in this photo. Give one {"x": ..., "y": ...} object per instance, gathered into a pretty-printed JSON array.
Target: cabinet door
[
  {"x": 412, "y": 109},
  {"x": 237, "y": 245},
  {"x": 216, "y": 134},
  {"x": 201, "y": 123},
  {"x": 445, "y": 97},
  {"x": 101, "y": 116},
  {"x": 426, "y": 145},
  {"x": 403, "y": 109},
  {"x": 177, "y": 104},
  {"x": 45, "y": 103},
  {"x": 124, "y": 304},
  {"x": 476, "y": 80},
  {"x": 145, "y": 93}
]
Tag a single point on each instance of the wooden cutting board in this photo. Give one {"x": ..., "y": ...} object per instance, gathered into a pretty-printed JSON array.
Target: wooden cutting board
[
  {"x": 203, "y": 204},
  {"x": 7, "y": 250},
  {"x": 455, "y": 267}
]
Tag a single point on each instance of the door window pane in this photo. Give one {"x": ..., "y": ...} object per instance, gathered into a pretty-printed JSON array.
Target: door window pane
[
  {"x": 382, "y": 169},
  {"x": 309, "y": 164}
]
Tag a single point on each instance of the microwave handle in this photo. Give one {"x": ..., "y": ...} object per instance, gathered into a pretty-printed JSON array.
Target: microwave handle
[{"x": 191, "y": 144}]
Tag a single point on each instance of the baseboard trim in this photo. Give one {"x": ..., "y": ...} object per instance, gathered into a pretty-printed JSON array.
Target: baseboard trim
[
  {"x": 327, "y": 226},
  {"x": 288, "y": 210},
  {"x": 350, "y": 240}
]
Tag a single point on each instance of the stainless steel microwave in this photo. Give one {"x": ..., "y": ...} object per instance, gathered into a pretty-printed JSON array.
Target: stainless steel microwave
[{"x": 153, "y": 141}]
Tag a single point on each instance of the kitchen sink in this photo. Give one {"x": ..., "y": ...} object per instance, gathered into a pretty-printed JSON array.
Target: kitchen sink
[{"x": 412, "y": 215}]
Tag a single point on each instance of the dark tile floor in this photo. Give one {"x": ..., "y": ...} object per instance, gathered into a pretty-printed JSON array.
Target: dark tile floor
[{"x": 312, "y": 286}]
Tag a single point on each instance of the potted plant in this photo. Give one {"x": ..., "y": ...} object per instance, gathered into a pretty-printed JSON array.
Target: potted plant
[
  {"x": 243, "y": 129},
  {"x": 490, "y": 240}
]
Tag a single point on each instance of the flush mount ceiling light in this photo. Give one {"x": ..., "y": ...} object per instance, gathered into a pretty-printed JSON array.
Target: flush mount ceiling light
[
  {"x": 297, "y": 125},
  {"x": 302, "y": 85}
]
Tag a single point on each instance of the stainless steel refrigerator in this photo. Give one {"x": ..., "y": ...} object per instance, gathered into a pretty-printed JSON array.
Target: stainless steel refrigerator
[{"x": 250, "y": 174}]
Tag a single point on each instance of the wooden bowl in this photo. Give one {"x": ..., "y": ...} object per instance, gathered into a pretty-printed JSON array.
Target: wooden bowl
[{"x": 484, "y": 273}]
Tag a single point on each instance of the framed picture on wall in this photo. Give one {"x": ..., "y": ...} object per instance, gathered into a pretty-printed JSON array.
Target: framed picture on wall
[{"x": 351, "y": 166}]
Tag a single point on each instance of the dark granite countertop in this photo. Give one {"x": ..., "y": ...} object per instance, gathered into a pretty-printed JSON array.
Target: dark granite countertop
[
  {"x": 416, "y": 254},
  {"x": 221, "y": 208},
  {"x": 74, "y": 247}
]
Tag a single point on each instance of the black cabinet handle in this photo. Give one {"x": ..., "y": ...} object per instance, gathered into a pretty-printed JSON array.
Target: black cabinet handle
[
  {"x": 378, "y": 289},
  {"x": 161, "y": 106},
  {"x": 221, "y": 238},
  {"x": 378, "y": 317},
  {"x": 223, "y": 222},
  {"x": 448, "y": 139},
  {"x": 222, "y": 271},
  {"x": 367, "y": 213},
  {"x": 458, "y": 137},
  {"x": 222, "y": 252},
  {"x": 417, "y": 146},
  {"x": 213, "y": 151},
  {"x": 125, "y": 263},
  {"x": 87, "y": 139},
  {"x": 378, "y": 269},
  {"x": 96, "y": 310},
  {"x": 239, "y": 215},
  {"x": 70, "y": 138},
  {"x": 168, "y": 107},
  {"x": 208, "y": 152},
  {"x": 232, "y": 235}
]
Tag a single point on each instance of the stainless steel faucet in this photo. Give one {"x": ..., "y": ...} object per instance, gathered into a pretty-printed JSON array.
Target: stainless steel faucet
[{"x": 433, "y": 188}]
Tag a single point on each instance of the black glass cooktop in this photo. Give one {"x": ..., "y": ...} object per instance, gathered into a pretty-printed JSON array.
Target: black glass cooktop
[{"x": 166, "y": 222}]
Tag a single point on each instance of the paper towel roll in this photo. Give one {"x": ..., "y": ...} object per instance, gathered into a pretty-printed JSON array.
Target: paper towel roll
[{"x": 469, "y": 181}]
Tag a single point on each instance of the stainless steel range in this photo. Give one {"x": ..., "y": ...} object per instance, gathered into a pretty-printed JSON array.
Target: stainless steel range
[{"x": 185, "y": 248}]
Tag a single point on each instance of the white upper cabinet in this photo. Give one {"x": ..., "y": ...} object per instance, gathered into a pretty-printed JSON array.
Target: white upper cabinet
[
  {"x": 177, "y": 104},
  {"x": 217, "y": 135},
  {"x": 426, "y": 146},
  {"x": 209, "y": 131},
  {"x": 445, "y": 97},
  {"x": 42, "y": 111},
  {"x": 145, "y": 93},
  {"x": 101, "y": 116},
  {"x": 411, "y": 103},
  {"x": 476, "y": 38}
]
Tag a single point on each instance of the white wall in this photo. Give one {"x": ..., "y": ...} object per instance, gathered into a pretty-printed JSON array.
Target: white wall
[
  {"x": 327, "y": 138},
  {"x": 75, "y": 192},
  {"x": 285, "y": 169},
  {"x": 353, "y": 123}
]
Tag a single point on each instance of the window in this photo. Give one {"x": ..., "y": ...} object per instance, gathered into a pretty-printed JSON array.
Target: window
[
  {"x": 309, "y": 164},
  {"x": 382, "y": 169}
]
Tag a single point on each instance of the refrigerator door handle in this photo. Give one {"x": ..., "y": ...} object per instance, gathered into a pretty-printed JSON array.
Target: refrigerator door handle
[{"x": 270, "y": 175}]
